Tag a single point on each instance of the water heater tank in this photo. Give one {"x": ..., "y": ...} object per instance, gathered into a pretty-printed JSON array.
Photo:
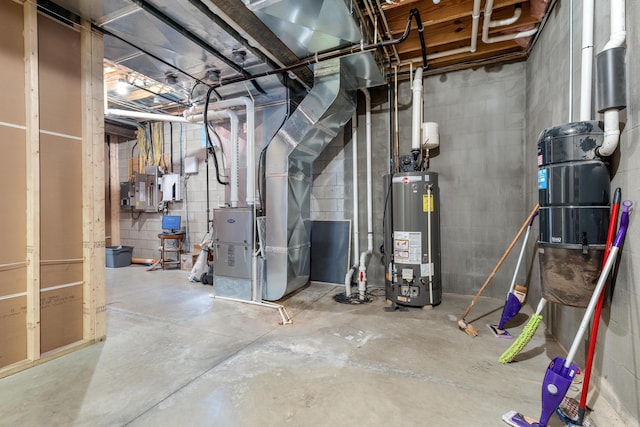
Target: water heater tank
[
  {"x": 413, "y": 243},
  {"x": 574, "y": 192}
]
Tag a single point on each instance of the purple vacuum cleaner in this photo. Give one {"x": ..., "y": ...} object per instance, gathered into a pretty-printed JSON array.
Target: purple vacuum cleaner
[
  {"x": 513, "y": 304},
  {"x": 561, "y": 372}
]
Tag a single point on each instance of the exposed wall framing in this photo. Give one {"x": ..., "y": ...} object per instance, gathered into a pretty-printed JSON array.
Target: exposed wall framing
[{"x": 52, "y": 270}]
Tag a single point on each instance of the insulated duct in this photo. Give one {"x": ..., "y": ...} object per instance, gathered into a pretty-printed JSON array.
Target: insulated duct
[{"x": 289, "y": 160}]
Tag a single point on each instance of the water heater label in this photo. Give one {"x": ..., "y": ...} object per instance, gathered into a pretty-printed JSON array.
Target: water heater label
[
  {"x": 425, "y": 269},
  {"x": 542, "y": 179},
  {"x": 407, "y": 247},
  {"x": 427, "y": 203}
]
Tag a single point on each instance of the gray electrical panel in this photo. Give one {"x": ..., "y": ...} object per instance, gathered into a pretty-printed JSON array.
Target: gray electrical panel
[
  {"x": 146, "y": 190},
  {"x": 126, "y": 196}
]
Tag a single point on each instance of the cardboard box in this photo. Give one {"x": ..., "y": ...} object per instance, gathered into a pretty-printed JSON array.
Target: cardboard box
[{"x": 188, "y": 260}]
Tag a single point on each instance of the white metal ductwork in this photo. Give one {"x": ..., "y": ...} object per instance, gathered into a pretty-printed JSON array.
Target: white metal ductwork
[{"x": 290, "y": 156}]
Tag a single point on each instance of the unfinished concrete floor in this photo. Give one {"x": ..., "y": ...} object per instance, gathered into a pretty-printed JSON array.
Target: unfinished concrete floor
[{"x": 176, "y": 357}]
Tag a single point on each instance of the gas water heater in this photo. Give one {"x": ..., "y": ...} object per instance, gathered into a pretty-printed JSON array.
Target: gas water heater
[{"x": 412, "y": 239}]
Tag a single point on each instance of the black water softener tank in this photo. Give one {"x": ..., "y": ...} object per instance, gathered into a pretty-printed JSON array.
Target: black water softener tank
[{"x": 574, "y": 190}]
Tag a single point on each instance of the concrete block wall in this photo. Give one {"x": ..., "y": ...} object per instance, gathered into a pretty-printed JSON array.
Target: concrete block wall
[
  {"x": 328, "y": 197},
  {"x": 481, "y": 116},
  {"x": 141, "y": 229},
  {"x": 616, "y": 367},
  {"x": 333, "y": 188}
]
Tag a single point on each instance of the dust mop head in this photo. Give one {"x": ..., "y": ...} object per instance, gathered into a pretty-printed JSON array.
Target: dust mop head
[{"x": 527, "y": 334}]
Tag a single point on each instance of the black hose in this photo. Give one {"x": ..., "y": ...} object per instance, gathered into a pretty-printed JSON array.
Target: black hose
[
  {"x": 209, "y": 142},
  {"x": 343, "y": 51}
]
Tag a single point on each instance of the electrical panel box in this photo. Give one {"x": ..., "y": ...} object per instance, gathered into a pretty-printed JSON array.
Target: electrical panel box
[
  {"x": 171, "y": 187},
  {"x": 146, "y": 192},
  {"x": 190, "y": 165},
  {"x": 126, "y": 196}
]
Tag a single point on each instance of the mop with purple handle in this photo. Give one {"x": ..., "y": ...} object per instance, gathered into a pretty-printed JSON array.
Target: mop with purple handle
[
  {"x": 561, "y": 372},
  {"x": 514, "y": 302}
]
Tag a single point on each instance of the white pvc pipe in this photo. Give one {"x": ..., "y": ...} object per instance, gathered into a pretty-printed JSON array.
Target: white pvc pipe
[
  {"x": 488, "y": 9},
  {"x": 246, "y": 102},
  {"x": 147, "y": 116},
  {"x": 571, "y": 61},
  {"x": 284, "y": 316},
  {"x": 416, "y": 123},
  {"x": 235, "y": 146},
  {"x": 475, "y": 16},
  {"x": 612, "y": 116},
  {"x": 235, "y": 173},
  {"x": 505, "y": 37},
  {"x": 618, "y": 27},
  {"x": 362, "y": 273},
  {"x": 356, "y": 195},
  {"x": 611, "y": 133},
  {"x": 586, "y": 75},
  {"x": 508, "y": 21},
  {"x": 356, "y": 224}
]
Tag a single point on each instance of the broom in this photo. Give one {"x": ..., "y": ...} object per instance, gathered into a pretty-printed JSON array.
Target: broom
[
  {"x": 561, "y": 371},
  {"x": 471, "y": 330},
  {"x": 532, "y": 326}
]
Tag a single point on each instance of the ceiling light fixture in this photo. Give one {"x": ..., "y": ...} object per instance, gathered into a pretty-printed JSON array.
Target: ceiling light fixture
[{"x": 122, "y": 88}]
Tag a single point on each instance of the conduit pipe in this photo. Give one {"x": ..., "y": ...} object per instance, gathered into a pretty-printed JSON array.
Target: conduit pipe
[
  {"x": 362, "y": 271},
  {"x": 356, "y": 213},
  {"x": 586, "y": 75},
  {"x": 487, "y": 23},
  {"x": 251, "y": 145},
  {"x": 612, "y": 116}
]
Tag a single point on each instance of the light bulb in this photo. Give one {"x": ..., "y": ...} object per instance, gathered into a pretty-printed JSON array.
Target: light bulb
[{"x": 122, "y": 88}]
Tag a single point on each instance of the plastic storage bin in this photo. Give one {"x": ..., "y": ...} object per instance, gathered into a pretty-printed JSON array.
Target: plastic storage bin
[{"x": 119, "y": 256}]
